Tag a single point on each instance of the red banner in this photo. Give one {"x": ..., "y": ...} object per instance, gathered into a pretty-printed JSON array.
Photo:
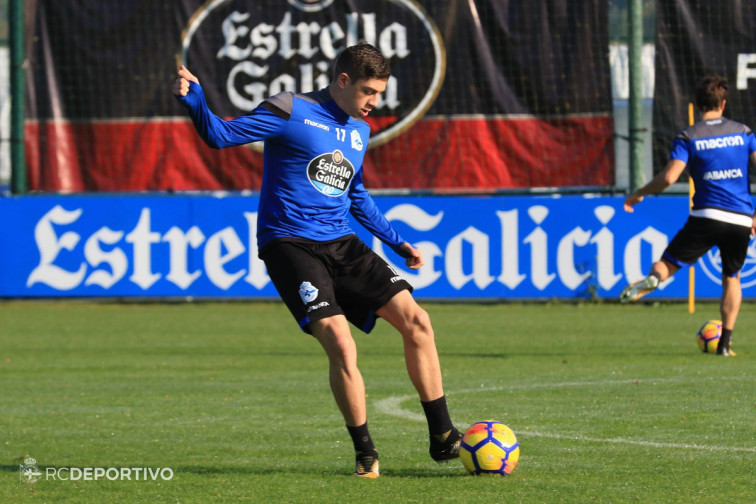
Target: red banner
[{"x": 483, "y": 96}]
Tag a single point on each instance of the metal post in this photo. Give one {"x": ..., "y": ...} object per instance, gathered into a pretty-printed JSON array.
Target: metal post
[
  {"x": 635, "y": 103},
  {"x": 17, "y": 95}
]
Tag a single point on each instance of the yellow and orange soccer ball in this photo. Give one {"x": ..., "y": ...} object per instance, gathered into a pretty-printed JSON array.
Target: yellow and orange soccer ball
[
  {"x": 708, "y": 336},
  {"x": 489, "y": 447}
]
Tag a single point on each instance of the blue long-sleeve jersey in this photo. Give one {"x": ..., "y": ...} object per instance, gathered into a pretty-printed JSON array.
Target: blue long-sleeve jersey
[
  {"x": 312, "y": 175},
  {"x": 717, "y": 154}
]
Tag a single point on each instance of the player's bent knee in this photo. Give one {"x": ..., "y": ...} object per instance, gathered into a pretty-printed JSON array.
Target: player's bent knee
[
  {"x": 421, "y": 320},
  {"x": 419, "y": 328},
  {"x": 336, "y": 339}
]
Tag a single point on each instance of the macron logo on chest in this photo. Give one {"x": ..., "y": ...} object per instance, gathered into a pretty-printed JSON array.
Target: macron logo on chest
[{"x": 317, "y": 125}]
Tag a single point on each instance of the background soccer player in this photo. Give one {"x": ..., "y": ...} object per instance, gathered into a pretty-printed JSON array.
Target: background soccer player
[
  {"x": 314, "y": 147},
  {"x": 717, "y": 152}
]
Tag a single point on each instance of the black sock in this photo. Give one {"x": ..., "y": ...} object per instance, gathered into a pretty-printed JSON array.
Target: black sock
[
  {"x": 361, "y": 439},
  {"x": 437, "y": 414},
  {"x": 724, "y": 340}
]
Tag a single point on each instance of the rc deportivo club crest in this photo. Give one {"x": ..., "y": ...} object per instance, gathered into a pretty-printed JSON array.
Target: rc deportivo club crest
[{"x": 308, "y": 292}]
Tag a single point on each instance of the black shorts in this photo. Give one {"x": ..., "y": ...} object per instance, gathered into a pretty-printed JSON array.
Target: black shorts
[
  {"x": 700, "y": 234},
  {"x": 322, "y": 279}
]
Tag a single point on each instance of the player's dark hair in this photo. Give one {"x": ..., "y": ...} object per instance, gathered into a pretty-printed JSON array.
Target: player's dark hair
[
  {"x": 362, "y": 61},
  {"x": 711, "y": 92}
]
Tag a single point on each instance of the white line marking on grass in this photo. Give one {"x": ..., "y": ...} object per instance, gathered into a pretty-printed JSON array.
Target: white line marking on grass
[
  {"x": 393, "y": 406},
  {"x": 638, "y": 442}
]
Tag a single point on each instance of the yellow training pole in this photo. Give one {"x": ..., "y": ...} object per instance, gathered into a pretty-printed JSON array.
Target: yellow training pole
[{"x": 692, "y": 269}]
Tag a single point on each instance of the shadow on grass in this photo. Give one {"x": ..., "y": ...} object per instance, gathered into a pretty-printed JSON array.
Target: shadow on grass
[
  {"x": 422, "y": 473},
  {"x": 477, "y": 355},
  {"x": 314, "y": 471}
]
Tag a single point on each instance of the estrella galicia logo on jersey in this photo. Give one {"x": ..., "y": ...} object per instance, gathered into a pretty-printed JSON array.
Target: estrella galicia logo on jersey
[
  {"x": 330, "y": 173},
  {"x": 308, "y": 292},
  {"x": 356, "y": 140}
]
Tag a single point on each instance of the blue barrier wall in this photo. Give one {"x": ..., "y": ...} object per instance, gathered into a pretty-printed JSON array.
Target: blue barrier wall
[{"x": 476, "y": 247}]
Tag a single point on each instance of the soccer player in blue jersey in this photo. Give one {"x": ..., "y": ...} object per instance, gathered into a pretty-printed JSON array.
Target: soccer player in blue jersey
[
  {"x": 717, "y": 152},
  {"x": 312, "y": 179}
]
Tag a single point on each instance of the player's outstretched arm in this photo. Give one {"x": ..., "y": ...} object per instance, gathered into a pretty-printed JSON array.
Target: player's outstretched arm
[
  {"x": 415, "y": 259},
  {"x": 664, "y": 179},
  {"x": 632, "y": 200},
  {"x": 181, "y": 85},
  {"x": 218, "y": 132}
]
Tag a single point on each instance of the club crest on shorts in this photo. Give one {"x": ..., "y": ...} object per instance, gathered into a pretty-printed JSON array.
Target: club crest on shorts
[{"x": 308, "y": 292}]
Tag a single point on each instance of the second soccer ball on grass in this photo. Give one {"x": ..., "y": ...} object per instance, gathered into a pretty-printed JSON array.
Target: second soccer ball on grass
[{"x": 708, "y": 336}]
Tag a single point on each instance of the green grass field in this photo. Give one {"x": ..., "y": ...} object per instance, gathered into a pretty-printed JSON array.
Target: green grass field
[{"x": 610, "y": 404}]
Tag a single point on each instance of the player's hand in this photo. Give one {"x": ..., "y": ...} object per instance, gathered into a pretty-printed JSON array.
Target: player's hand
[
  {"x": 631, "y": 201},
  {"x": 753, "y": 226},
  {"x": 415, "y": 260},
  {"x": 181, "y": 86}
]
